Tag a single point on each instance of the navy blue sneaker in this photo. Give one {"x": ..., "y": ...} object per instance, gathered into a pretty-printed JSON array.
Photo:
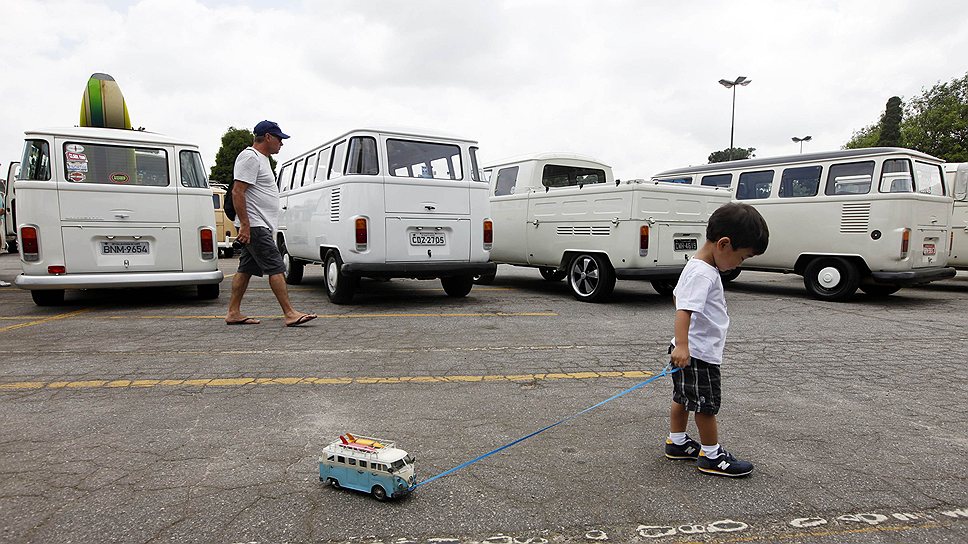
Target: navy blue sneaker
[
  {"x": 690, "y": 450},
  {"x": 723, "y": 465}
]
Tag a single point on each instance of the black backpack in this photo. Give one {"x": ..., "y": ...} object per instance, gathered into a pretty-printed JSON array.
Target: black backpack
[{"x": 228, "y": 206}]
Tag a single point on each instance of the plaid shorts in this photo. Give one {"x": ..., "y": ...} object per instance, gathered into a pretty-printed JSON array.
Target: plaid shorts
[
  {"x": 697, "y": 387},
  {"x": 261, "y": 256}
]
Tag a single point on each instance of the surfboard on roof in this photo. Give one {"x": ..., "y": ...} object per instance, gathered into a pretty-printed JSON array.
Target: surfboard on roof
[{"x": 103, "y": 104}]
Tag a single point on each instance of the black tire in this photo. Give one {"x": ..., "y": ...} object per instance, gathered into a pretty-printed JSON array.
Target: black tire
[
  {"x": 457, "y": 286},
  {"x": 294, "y": 268},
  {"x": 590, "y": 277},
  {"x": 12, "y": 246},
  {"x": 485, "y": 279},
  {"x": 52, "y": 297},
  {"x": 379, "y": 493},
  {"x": 831, "y": 278},
  {"x": 552, "y": 274},
  {"x": 664, "y": 287},
  {"x": 879, "y": 290},
  {"x": 730, "y": 276},
  {"x": 339, "y": 286},
  {"x": 229, "y": 252},
  {"x": 333, "y": 482},
  {"x": 207, "y": 291}
]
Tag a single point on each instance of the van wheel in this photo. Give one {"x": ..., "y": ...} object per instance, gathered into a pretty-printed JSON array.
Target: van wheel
[
  {"x": 485, "y": 279},
  {"x": 730, "y": 276},
  {"x": 590, "y": 277},
  {"x": 208, "y": 291},
  {"x": 379, "y": 493},
  {"x": 339, "y": 286},
  {"x": 878, "y": 290},
  {"x": 552, "y": 274},
  {"x": 831, "y": 278},
  {"x": 664, "y": 287},
  {"x": 294, "y": 268},
  {"x": 228, "y": 252},
  {"x": 457, "y": 286},
  {"x": 52, "y": 297},
  {"x": 333, "y": 482},
  {"x": 12, "y": 246}
]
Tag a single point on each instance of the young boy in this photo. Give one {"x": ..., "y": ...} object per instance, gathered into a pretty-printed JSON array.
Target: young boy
[{"x": 735, "y": 232}]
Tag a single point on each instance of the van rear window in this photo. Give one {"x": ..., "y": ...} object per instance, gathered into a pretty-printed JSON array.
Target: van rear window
[
  {"x": 409, "y": 159},
  {"x": 35, "y": 164},
  {"x": 115, "y": 165}
]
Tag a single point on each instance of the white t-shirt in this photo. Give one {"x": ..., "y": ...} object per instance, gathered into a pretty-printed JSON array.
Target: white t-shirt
[
  {"x": 700, "y": 290},
  {"x": 262, "y": 196}
]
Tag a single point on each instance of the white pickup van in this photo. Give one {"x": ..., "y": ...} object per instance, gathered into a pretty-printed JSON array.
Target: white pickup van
[
  {"x": 386, "y": 203},
  {"x": 106, "y": 208},
  {"x": 568, "y": 216}
]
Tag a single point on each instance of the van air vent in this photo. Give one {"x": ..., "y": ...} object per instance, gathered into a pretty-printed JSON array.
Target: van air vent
[
  {"x": 334, "y": 205},
  {"x": 855, "y": 217}
]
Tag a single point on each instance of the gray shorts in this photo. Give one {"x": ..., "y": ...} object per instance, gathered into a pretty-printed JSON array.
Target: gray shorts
[{"x": 261, "y": 256}]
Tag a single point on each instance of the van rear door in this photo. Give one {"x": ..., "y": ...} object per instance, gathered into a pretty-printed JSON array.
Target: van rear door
[
  {"x": 932, "y": 215},
  {"x": 118, "y": 208}
]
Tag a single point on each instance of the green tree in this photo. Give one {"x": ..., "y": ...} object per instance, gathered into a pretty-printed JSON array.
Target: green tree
[
  {"x": 732, "y": 154},
  {"x": 865, "y": 137},
  {"x": 233, "y": 142},
  {"x": 937, "y": 121},
  {"x": 890, "y": 133}
]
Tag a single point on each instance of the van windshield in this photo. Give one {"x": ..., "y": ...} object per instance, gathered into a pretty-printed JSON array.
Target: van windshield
[
  {"x": 36, "y": 161},
  {"x": 114, "y": 165}
]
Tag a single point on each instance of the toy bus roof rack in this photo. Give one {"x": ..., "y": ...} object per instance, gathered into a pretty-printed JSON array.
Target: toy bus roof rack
[{"x": 366, "y": 444}]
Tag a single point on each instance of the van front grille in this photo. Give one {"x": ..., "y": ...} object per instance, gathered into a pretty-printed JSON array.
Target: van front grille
[
  {"x": 583, "y": 230},
  {"x": 855, "y": 217},
  {"x": 334, "y": 205}
]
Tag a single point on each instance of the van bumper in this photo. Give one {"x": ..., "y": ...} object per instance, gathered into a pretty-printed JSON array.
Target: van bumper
[
  {"x": 111, "y": 281},
  {"x": 913, "y": 277},
  {"x": 654, "y": 273},
  {"x": 418, "y": 270}
]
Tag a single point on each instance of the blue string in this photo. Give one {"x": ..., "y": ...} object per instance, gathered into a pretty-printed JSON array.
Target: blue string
[{"x": 665, "y": 372}]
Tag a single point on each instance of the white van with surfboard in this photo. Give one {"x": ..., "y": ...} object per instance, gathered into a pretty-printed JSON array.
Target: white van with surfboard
[{"x": 112, "y": 207}]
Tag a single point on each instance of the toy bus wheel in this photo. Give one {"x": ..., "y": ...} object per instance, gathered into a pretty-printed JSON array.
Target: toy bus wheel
[
  {"x": 294, "y": 268},
  {"x": 379, "y": 493},
  {"x": 831, "y": 278},
  {"x": 590, "y": 277},
  {"x": 664, "y": 287},
  {"x": 339, "y": 286},
  {"x": 552, "y": 274},
  {"x": 52, "y": 297},
  {"x": 457, "y": 286},
  {"x": 333, "y": 482}
]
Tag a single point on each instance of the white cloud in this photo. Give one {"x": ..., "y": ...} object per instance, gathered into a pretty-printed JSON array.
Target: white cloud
[{"x": 632, "y": 83}]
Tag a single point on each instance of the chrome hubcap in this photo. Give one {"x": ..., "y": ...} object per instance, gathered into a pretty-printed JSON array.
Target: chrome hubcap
[
  {"x": 829, "y": 277},
  {"x": 584, "y": 275}
]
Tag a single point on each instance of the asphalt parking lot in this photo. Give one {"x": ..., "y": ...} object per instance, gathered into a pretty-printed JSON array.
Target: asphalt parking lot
[{"x": 138, "y": 416}]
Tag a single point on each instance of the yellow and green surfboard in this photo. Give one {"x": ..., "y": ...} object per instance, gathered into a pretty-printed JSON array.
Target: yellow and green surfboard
[{"x": 103, "y": 104}]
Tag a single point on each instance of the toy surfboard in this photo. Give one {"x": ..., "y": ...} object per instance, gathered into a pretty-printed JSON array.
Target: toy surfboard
[{"x": 103, "y": 104}]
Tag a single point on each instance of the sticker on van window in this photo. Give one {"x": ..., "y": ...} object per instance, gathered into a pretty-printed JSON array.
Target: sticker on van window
[
  {"x": 77, "y": 166},
  {"x": 76, "y": 176},
  {"x": 119, "y": 177},
  {"x": 75, "y": 148},
  {"x": 71, "y": 156}
]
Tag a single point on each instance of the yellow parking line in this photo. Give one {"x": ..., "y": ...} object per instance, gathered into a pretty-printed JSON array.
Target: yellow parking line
[
  {"x": 44, "y": 320},
  {"x": 313, "y": 380}
]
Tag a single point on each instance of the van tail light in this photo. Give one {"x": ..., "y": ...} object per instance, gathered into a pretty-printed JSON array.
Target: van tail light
[
  {"x": 361, "y": 235},
  {"x": 29, "y": 244},
  {"x": 488, "y": 234},
  {"x": 207, "y": 239},
  {"x": 905, "y": 243},
  {"x": 643, "y": 240},
  {"x": 57, "y": 270}
]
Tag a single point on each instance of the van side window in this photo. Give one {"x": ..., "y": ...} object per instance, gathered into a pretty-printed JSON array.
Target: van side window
[
  {"x": 717, "y": 180},
  {"x": 322, "y": 165},
  {"x": 298, "y": 176},
  {"x": 852, "y": 178},
  {"x": 755, "y": 185},
  {"x": 930, "y": 179},
  {"x": 285, "y": 177},
  {"x": 217, "y": 201},
  {"x": 192, "y": 170},
  {"x": 336, "y": 161},
  {"x": 802, "y": 181},
  {"x": 341, "y": 459},
  {"x": 684, "y": 180},
  {"x": 330, "y": 457},
  {"x": 35, "y": 165},
  {"x": 352, "y": 461},
  {"x": 896, "y": 177},
  {"x": 115, "y": 165},
  {"x": 475, "y": 169},
  {"x": 310, "y": 171},
  {"x": 362, "y": 464},
  {"x": 411, "y": 159},
  {"x": 507, "y": 180},
  {"x": 362, "y": 157},
  {"x": 555, "y": 175}
]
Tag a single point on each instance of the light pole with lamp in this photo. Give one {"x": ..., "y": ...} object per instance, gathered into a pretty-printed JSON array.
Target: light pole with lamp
[
  {"x": 741, "y": 80},
  {"x": 801, "y": 140}
]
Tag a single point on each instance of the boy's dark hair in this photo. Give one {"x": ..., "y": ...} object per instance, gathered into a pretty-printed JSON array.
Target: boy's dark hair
[{"x": 742, "y": 224}]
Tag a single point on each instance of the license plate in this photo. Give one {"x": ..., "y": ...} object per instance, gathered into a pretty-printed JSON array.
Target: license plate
[
  {"x": 685, "y": 244},
  {"x": 929, "y": 249},
  {"x": 422, "y": 239},
  {"x": 124, "y": 248}
]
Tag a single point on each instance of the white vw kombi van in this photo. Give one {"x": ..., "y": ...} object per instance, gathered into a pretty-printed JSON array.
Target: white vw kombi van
[
  {"x": 386, "y": 204},
  {"x": 107, "y": 208}
]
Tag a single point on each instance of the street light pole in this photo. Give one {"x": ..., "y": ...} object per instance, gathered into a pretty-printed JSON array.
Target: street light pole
[
  {"x": 741, "y": 80},
  {"x": 801, "y": 140}
]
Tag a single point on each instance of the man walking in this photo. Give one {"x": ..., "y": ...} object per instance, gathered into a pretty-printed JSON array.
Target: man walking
[{"x": 256, "y": 199}]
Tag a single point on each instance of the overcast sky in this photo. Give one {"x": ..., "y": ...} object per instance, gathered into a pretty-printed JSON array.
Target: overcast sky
[{"x": 632, "y": 83}]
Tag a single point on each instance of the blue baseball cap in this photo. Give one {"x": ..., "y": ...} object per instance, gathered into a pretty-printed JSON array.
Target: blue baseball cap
[{"x": 269, "y": 127}]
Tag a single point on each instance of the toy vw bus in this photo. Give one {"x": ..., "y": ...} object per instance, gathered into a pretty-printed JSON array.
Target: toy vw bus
[
  {"x": 109, "y": 208},
  {"x": 369, "y": 465}
]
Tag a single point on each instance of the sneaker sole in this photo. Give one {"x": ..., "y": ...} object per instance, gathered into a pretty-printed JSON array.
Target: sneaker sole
[
  {"x": 681, "y": 457},
  {"x": 721, "y": 473}
]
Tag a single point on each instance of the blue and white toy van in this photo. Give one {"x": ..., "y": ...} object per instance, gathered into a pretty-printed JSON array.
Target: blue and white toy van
[{"x": 367, "y": 464}]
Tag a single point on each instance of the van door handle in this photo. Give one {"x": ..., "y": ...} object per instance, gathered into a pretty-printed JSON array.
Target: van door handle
[
  {"x": 121, "y": 215},
  {"x": 430, "y": 208},
  {"x": 285, "y": 207},
  {"x": 535, "y": 223}
]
